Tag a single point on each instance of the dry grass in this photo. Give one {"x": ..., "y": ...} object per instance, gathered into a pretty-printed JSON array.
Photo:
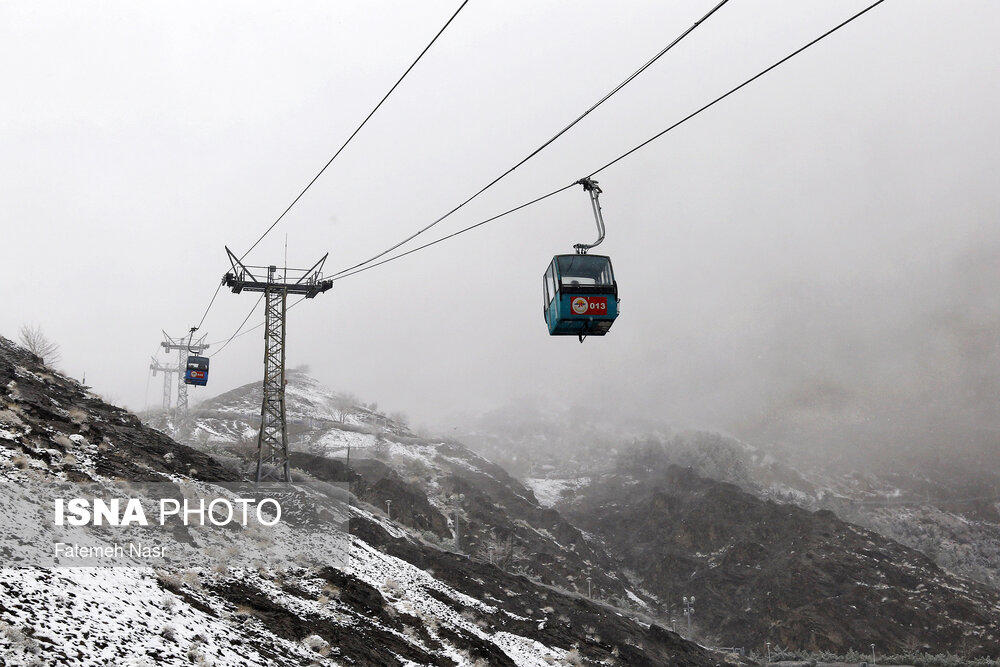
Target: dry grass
[{"x": 243, "y": 611}]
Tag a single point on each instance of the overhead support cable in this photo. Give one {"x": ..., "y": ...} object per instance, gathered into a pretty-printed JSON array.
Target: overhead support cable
[
  {"x": 739, "y": 87},
  {"x": 210, "y": 303},
  {"x": 339, "y": 151},
  {"x": 353, "y": 134},
  {"x": 351, "y": 269},
  {"x": 449, "y": 236},
  {"x": 242, "y": 324},
  {"x": 360, "y": 268}
]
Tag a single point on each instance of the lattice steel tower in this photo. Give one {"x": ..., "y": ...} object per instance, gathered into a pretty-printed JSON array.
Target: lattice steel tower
[
  {"x": 184, "y": 346},
  {"x": 167, "y": 371},
  {"x": 272, "y": 439}
]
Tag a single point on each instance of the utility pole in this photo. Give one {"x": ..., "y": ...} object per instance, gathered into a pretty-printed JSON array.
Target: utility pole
[
  {"x": 184, "y": 346},
  {"x": 456, "y": 519},
  {"x": 272, "y": 439},
  {"x": 689, "y": 611},
  {"x": 167, "y": 371}
]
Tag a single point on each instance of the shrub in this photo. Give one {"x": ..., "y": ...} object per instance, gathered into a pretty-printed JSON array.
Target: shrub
[{"x": 317, "y": 644}]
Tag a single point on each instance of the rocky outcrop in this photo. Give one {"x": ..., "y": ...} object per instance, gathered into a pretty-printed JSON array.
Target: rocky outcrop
[{"x": 762, "y": 571}]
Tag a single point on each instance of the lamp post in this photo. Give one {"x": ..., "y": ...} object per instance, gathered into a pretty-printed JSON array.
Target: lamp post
[
  {"x": 873, "y": 653},
  {"x": 768, "y": 645},
  {"x": 588, "y": 587},
  {"x": 688, "y": 611},
  {"x": 457, "y": 505},
  {"x": 388, "y": 508}
]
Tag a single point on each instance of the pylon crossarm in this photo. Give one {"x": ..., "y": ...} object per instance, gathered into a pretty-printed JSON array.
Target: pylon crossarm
[
  {"x": 240, "y": 269},
  {"x": 304, "y": 282},
  {"x": 315, "y": 272}
]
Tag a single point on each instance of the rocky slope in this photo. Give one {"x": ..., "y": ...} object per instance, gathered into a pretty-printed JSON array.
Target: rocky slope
[
  {"x": 945, "y": 504},
  {"x": 763, "y": 571},
  {"x": 454, "y": 497},
  {"x": 393, "y": 599}
]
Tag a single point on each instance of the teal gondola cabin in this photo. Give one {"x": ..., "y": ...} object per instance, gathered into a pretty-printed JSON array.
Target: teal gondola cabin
[{"x": 581, "y": 295}]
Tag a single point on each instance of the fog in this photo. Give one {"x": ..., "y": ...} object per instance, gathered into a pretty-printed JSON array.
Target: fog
[{"x": 813, "y": 261}]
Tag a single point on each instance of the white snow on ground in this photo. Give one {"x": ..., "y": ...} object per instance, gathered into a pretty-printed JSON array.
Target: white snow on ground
[
  {"x": 119, "y": 616},
  {"x": 550, "y": 491},
  {"x": 124, "y": 616},
  {"x": 407, "y": 588},
  {"x": 635, "y": 598},
  {"x": 785, "y": 491},
  {"x": 420, "y": 454},
  {"x": 335, "y": 442},
  {"x": 527, "y": 652}
]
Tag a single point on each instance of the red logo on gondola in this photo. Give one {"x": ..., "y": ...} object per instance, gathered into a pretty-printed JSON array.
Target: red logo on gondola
[
  {"x": 197, "y": 374},
  {"x": 592, "y": 305}
]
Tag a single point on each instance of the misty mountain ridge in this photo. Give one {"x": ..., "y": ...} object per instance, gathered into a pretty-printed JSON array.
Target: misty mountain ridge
[
  {"x": 763, "y": 571},
  {"x": 946, "y": 506},
  {"x": 525, "y": 435},
  {"x": 454, "y": 561}
]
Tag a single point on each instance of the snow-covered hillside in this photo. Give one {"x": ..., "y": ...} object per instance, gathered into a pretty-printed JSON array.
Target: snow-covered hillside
[
  {"x": 395, "y": 599},
  {"x": 438, "y": 487}
]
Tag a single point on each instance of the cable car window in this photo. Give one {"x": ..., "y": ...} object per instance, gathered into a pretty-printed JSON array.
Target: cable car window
[
  {"x": 585, "y": 270},
  {"x": 550, "y": 285},
  {"x": 197, "y": 363}
]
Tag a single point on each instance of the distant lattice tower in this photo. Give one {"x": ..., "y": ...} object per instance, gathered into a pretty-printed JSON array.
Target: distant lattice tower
[
  {"x": 167, "y": 371},
  {"x": 272, "y": 438},
  {"x": 184, "y": 346}
]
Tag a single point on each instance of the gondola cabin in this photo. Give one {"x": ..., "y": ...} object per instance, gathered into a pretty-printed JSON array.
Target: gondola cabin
[
  {"x": 197, "y": 371},
  {"x": 581, "y": 295}
]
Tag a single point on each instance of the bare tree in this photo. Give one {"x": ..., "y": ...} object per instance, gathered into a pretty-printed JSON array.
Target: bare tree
[
  {"x": 502, "y": 551},
  {"x": 244, "y": 446},
  {"x": 400, "y": 418},
  {"x": 380, "y": 449},
  {"x": 34, "y": 340},
  {"x": 344, "y": 404}
]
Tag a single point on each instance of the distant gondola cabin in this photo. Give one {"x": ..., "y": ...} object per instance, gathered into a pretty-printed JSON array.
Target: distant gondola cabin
[
  {"x": 581, "y": 295},
  {"x": 197, "y": 371}
]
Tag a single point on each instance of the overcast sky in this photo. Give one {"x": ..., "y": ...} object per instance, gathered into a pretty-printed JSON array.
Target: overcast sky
[{"x": 822, "y": 247}]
